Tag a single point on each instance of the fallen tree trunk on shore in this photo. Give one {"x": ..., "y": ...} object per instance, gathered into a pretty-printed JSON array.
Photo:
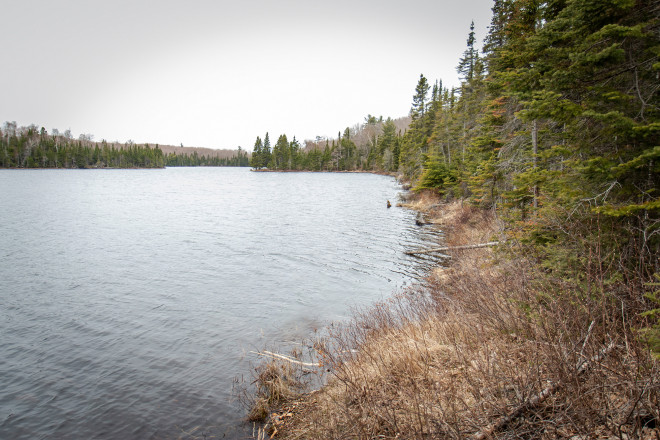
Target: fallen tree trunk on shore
[
  {"x": 451, "y": 248},
  {"x": 535, "y": 401}
]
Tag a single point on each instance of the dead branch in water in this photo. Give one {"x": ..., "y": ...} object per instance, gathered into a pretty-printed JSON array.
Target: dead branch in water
[
  {"x": 286, "y": 358},
  {"x": 450, "y": 248}
]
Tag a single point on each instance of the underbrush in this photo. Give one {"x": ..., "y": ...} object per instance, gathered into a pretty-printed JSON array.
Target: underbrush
[{"x": 491, "y": 347}]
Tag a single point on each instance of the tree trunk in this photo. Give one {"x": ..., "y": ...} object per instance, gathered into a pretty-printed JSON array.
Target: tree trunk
[{"x": 535, "y": 148}]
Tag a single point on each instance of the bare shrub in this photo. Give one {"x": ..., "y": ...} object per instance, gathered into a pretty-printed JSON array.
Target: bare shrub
[
  {"x": 278, "y": 383},
  {"x": 490, "y": 347}
]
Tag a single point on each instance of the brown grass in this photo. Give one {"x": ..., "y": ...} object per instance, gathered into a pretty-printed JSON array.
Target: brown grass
[
  {"x": 478, "y": 341},
  {"x": 277, "y": 382}
]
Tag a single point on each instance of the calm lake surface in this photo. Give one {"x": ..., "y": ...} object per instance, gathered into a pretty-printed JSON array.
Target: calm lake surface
[{"x": 131, "y": 299}]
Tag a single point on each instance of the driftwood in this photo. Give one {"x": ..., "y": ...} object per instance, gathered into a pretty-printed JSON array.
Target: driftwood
[
  {"x": 450, "y": 248},
  {"x": 285, "y": 358},
  {"x": 538, "y": 399}
]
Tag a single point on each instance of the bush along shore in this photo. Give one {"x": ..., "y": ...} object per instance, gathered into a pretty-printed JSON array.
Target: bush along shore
[{"x": 494, "y": 345}]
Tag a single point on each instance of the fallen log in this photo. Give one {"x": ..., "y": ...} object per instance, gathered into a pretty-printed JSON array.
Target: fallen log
[
  {"x": 285, "y": 358},
  {"x": 451, "y": 248},
  {"x": 538, "y": 399}
]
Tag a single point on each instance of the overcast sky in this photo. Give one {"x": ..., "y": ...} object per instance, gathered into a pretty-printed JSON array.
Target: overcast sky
[{"x": 218, "y": 73}]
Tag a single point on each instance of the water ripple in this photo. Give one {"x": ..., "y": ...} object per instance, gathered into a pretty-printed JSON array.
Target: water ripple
[{"x": 130, "y": 297}]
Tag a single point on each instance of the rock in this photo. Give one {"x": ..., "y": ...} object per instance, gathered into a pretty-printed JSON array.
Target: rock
[{"x": 420, "y": 220}]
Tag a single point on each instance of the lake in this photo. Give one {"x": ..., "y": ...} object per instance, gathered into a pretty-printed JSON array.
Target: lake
[{"x": 130, "y": 300}]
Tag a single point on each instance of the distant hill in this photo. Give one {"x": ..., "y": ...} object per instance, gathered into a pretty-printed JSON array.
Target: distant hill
[{"x": 187, "y": 151}]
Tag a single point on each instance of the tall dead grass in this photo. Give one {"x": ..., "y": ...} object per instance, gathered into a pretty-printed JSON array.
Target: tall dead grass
[{"x": 488, "y": 348}]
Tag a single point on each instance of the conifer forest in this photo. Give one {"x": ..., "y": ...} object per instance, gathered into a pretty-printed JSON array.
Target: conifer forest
[
  {"x": 557, "y": 115},
  {"x": 32, "y": 147},
  {"x": 555, "y": 126}
]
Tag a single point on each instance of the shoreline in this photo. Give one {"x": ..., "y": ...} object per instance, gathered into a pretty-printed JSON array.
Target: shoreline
[
  {"x": 380, "y": 173},
  {"x": 282, "y": 419},
  {"x": 84, "y": 168},
  {"x": 478, "y": 351},
  {"x": 121, "y": 168}
]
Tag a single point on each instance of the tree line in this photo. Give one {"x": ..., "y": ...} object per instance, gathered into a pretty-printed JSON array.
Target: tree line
[
  {"x": 372, "y": 146},
  {"x": 31, "y": 147},
  {"x": 239, "y": 159},
  {"x": 557, "y": 114},
  {"x": 556, "y": 125}
]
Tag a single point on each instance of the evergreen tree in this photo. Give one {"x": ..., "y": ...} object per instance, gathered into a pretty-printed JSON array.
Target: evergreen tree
[
  {"x": 280, "y": 155},
  {"x": 419, "y": 99},
  {"x": 293, "y": 158},
  {"x": 266, "y": 160},
  {"x": 257, "y": 155},
  {"x": 467, "y": 63}
]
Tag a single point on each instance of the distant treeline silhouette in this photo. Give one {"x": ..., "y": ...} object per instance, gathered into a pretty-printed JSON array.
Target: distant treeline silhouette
[{"x": 31, "y": 147}]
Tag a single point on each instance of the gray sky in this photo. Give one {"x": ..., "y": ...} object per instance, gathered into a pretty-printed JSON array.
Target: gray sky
[{"x": 218, "y": 73}]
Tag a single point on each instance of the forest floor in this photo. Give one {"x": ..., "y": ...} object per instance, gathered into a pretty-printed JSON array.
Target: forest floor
[{"x": 487, "y": 347}]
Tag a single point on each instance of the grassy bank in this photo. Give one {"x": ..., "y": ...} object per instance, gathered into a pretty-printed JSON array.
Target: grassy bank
[{"x": 490, "y": 347}]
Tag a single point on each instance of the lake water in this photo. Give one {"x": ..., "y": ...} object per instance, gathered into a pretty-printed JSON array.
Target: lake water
[{"x": 131, "y": 299}]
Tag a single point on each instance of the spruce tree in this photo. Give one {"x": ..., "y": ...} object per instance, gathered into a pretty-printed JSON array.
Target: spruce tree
[
  {"x": 467, "y": 63},
  {"x": 266, "y": 156},
  {"x": 257, "y": 155},
  {"x": 419, "y": 99}
]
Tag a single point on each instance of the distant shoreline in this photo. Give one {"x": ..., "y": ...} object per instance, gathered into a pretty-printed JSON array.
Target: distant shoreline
[
  {"x": 120, "y": 168},
  {"x": 380, "y": 173},
  {"x": 84, "y": 168}
]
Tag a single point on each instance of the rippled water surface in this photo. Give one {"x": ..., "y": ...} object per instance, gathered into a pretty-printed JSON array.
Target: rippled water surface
[{"x": 130, "y": 299}]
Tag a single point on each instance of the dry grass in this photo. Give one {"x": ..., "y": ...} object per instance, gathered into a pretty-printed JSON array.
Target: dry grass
[
  {"x": 425, "y": 201},
  {"x": 487, "y": 338},
  {"x": 277, "y": 382}
]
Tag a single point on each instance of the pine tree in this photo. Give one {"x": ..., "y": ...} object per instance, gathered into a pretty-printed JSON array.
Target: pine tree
[
  {"x": 419, "y": 99},
  {"x": 467, "y": 63},
  {"x": 293, "y": 154},
  {"x": 257, "y": 155},
  {"x": 266, "y": 156},
  {"x": 280, "y": 155}
]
